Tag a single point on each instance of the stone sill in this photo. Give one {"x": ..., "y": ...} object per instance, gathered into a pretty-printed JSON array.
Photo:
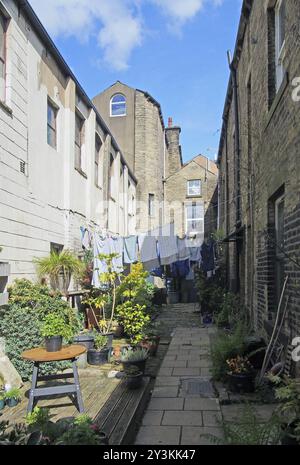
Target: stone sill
[
  {"x": 277, "y": 99},
  {"x": 6, "y": 108}
]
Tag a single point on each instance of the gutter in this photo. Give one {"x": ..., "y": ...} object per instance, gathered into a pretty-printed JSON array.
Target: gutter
[{"x": 46, "y": 39}]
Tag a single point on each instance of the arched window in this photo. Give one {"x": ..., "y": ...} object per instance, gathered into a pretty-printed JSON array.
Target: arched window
[{"x": 118, "y": 105}]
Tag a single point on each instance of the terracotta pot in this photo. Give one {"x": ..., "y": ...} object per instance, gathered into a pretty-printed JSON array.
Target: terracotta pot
[{"x": 117, "y": 351}]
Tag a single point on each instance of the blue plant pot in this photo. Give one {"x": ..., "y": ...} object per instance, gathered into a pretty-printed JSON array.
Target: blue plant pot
[
  {"x": 2, "y": 404},
  {"x": 12, "y": 402}
]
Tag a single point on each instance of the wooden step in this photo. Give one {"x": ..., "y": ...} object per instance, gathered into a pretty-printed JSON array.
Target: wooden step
[{"x": 118, "y": 415}]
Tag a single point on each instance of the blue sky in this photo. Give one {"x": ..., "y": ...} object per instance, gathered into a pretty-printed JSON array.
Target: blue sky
[{"x": 174, "y": 49}]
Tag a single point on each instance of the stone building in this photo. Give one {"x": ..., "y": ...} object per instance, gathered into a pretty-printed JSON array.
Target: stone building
[
  {"x": 259, "y": 181},
  {"x": 153, "y": 152},
  {"x": 61, "y": 168}
]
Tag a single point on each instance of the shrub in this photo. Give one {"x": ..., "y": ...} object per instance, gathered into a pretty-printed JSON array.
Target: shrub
[
  {"x": 20, "y": 323},
  {"x": 134, "y": 319},
  {"x": 134, "y": 355},
  {"x": 55, "y": 325},
  {"x": 100, "y": 341}
]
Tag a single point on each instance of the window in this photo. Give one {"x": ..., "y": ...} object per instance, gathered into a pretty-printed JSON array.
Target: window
[
  {"x": 51, "y": 124},
  {"x": 151, "y": 205},
  {"x": 3, "y": 25},
  {"x": 56, "y": 248},
  {"x": 279, "y": 41},
  {"x": 195, "y": 217},
  {"x": 112, "y": 178},
  {"x": 98, "y": 145},
  {"x": 79, "y": 125},
  {"x": 118, "y": 105},
  {"x": 194, "y": 187},
  {"x": 279, "y": 239}
]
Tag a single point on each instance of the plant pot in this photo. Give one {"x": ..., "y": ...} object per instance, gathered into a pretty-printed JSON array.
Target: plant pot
[
  {"x": 2, "y": 404},
  {"x": 117, "y": 351},
  {"x": 151, "y": 344},
  {"x": 134, "y": 381},
  {"x": 140, "y": 364},
  {"x": 98, "y": 357},
  {"x": 86, "y": 340},
  {"x": 110, "y": 337},
  {"x": 61, "y": 282},
  {"x": 252, "y": 344},
  {"x": 53, "y": 344},
  {"x": 12, "y": 402},
  {"x": 119, "y": 331},
  {"x": 241, "y": 382}
]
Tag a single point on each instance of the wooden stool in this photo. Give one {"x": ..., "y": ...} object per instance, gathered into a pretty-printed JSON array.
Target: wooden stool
[{"x": 40, "y": 355}]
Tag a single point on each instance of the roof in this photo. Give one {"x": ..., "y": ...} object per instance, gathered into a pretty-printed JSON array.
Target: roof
[
  {"x": 43, "y": 35},
  {"x": 244, "y": 18},
  {"x": 203, "y": 162}
]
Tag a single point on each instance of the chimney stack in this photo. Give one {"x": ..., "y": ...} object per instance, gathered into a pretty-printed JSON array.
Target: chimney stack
[{"x": 170, "y": 122}]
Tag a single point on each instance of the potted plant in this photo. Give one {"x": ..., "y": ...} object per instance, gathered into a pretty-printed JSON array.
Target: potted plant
[
  {"x": 133, "y": 377},
  {"x": 151, "y": 339},
  {"x": 240, "y": 374},
  {"x": 99, "y": 354},
  {"x": 2, "y": 400},
  {"x": 136, "y": 357},
  {"x": 12, "y": 397},
  {"x": 85, "y": 338},
  {"x": 59, "y": 268},
  {"x": 54, "y": 328},
  {"x": 288, "y": 393}
]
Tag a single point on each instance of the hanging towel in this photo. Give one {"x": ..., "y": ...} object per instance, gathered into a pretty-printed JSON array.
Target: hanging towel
[
  {"x": 168, "y": 249},
  {"x": 180, "y": 269},
  {"x": 195, "y": 254},
  {"x": 183, "y": 251},
  {"x": 116, "y": 246},
  {"x": 148, "y": 252},
  {"x": 101, "y": 246},
  {"x": 130, "y": 249}
]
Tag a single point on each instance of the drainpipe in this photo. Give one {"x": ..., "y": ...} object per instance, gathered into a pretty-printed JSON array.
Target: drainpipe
[{"x": 236, "y": 162}]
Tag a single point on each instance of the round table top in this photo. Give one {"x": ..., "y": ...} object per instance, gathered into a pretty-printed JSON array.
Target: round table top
[{"x": 40, "y": 354}]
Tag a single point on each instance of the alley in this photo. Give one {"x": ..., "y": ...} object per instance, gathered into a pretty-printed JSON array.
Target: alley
[{"x": 183, "y": 405}]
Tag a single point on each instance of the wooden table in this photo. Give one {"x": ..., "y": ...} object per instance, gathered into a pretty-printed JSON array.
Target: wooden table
[{"x": 40, "y": 355}]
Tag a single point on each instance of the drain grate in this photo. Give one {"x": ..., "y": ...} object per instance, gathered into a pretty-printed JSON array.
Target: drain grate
[{"x": 200, "y": 387}]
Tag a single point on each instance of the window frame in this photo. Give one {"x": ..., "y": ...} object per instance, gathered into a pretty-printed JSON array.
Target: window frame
[
  {"x": 189, "y": 194},
  {"x": 3, "y": 58},
  {"x": 279, "y": 48},
  {"x": 112, "y": 104},
  {"x": 151, "y": 206},
  {"x": 55, "y": 109},
  {"x": 78, "y": 116},
  {"x": 196, "y": 219},
  {"x": 97, "y": 160}
]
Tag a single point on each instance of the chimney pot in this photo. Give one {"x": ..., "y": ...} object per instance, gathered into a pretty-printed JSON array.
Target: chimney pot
[{"x": 170, "y": 122}]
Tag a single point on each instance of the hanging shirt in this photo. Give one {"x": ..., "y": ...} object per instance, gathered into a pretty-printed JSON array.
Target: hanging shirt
[
  {"x": 195, "y": 254},
  {"x": 130, "y": 249},
  {"x": 116, "y": 246},
  {"x": 101, "y": 246},
  {"x": 180, "y": 269},
  {"x": 208, "y": 257},
  {"x": 168, "y": 249},
  {"x": 148, "y": 252},
  {"x": 183, "y": 250}
]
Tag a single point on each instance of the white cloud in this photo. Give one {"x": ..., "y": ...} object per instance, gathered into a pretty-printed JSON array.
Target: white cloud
[{"x": 116, "y": 24}]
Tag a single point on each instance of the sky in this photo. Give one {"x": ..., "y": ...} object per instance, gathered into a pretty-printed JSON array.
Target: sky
[{"x": 173, "y": 49}]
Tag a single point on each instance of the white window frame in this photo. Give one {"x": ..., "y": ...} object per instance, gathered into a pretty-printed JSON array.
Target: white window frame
[
  {"x": 79, "y": 166},
  {"x": 55, "y": 109},
  {"x": 112, "y": 103},
  {"x": 151, "y": 205},
  {"x": 98, "y": 165},
  {"x": 189, "y": 194},
  {"x": 279, "y": 48},
  {"x": 3, "y": 58},
  {"x": 189, "y": 220}
]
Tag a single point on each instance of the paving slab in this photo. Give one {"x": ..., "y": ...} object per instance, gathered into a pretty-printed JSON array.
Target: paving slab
[
  {"x": 152, "y": 418},
  {"x": 167, "y": 381},
  {"x": 166, "y": 403},
  {"x": 165, "y": 371},
  {"x": 201, "y": 404},
  {"x": 165, "y": 391},
  {"x": 195, "y": 435},
  {"x": 211, "y": 418},
  {"x": 182, "y": 418},
  {"x": 186, "y": 372},
  {"x": 174, "y": 364},
  {"x": 156, "y": 435}
]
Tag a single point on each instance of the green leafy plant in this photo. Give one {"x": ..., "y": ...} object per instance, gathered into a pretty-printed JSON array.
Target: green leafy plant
[
  {"x": 132, "y": 371},
  {"x": 134, "y": 355},
  {"x": 2, "y": 395},
  {"x": 249, "y": 430},
  {"x": 82, "y": 432},
  {"x": 55, "y": 325},
  {"x": 20, "y": 323},
  {"x": 38, "y": 417},
  {"x": 13, "y": 393},
  {"x": 100, "y": 341},
  {"x": 57, "y": 265},
  {"x": 134, "y": 319}
]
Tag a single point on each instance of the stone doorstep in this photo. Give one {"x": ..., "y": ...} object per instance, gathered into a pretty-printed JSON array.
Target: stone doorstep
[
  {"x": 182, "y": 418},
  {"x": 166, "y": 403},
  {"x": 195, "y": 435},
  {"x": 156, "y": 435}
]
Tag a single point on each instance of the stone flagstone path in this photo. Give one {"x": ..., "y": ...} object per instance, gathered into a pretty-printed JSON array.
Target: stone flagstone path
[{"x": 183, "y": 406}]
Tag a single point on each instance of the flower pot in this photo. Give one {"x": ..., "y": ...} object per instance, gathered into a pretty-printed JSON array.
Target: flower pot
[
  {"x": 243, "y": 382},
  {"x": 2, "y": 404},
  {"x": 86, "y": 340},
  {"x": 252, "y": 344},
  {"x": 12, "y": 402},
  {"x": 119, "y": 331},
  {"x": 117, "y": 351},
  {"x": 134, "y": 381},
  {"x": 110, "y": 337},
  {"x": 53, "y": 344},
  {"x": 140, "y": 364},
  {"x": 61, "y": 282},
  {"x": 98, "y": 357},
  {"x": 151, "y": 344}
]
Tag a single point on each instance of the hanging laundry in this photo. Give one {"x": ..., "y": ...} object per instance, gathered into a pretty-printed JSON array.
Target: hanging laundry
[
  {"x": 208, "y": 256},
  {"x": 85, "y": 238},
  {"x": 116, "y": 246},
  {"x": 168, "y": 250},
  {"x": 195, "y": 254},
  {"x": 158, "y": 272},
  {"x": 148, "y": 252},
  {"x": 183, "y": 251},
  {"x": 180, "y": 269},
  {"x": 101, "y": 246},
  {"x": 130, "y": 249}
]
